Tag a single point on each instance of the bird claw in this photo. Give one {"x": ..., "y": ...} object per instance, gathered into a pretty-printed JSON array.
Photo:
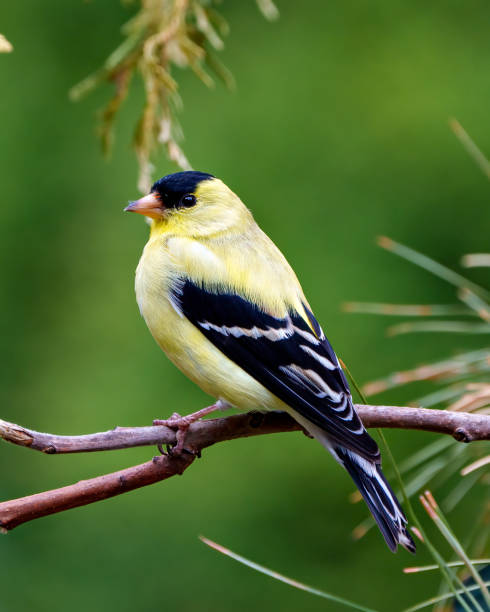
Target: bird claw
[
  {"x": 174, "y": 421},
  {"x": 170, "y": 451},
  {"x": 307, "y": 434},
  {"x": 181, "y": 424}
]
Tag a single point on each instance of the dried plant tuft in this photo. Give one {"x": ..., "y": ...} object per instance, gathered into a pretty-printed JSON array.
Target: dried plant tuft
[{"x": 163, "y": 34}]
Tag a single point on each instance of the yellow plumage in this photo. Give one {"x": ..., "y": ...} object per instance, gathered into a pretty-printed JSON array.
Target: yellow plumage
[
  {"x": 218, "y": 245},
  {"x": 223, "y": 303}
]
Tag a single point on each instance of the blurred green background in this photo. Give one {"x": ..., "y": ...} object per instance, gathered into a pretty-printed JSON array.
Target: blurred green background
[{"x": 338, "y": 132}]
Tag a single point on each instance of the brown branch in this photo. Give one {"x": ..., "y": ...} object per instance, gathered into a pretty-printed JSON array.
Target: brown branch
[
  {"x": 18, "y": 511},
  {"x": 465, "y": 427}
]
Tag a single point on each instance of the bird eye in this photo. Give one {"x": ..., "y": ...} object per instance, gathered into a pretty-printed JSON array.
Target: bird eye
[{"x": 188, "y": 200}]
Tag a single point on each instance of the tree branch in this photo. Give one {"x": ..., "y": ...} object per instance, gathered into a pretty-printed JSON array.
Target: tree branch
[{"x": 464, "y": 427}]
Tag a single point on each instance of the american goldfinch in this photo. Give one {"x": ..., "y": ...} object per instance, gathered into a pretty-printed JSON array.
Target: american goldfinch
[{"x": 225, "y": 306}]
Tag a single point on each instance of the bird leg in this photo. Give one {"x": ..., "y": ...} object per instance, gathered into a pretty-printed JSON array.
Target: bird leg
[{"x": 182, "y": 424}]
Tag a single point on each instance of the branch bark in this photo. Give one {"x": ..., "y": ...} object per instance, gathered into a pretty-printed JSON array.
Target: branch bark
[{"x": 464, "y": 427}]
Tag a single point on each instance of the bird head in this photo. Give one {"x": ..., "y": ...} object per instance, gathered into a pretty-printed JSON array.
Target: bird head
[{"x": 193, "y": 204}]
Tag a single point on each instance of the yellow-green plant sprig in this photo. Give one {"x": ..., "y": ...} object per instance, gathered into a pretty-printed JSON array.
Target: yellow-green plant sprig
[{"x": 162, "y": 35}]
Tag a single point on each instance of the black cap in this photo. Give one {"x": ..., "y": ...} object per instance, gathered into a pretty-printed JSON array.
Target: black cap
[{"x": 173, "y": 187}]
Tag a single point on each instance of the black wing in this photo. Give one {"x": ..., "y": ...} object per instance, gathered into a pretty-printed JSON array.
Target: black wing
[{"x": 296, "y": 365}]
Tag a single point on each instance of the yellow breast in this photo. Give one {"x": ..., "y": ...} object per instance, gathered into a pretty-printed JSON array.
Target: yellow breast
[{"x": 164, "y": 259}]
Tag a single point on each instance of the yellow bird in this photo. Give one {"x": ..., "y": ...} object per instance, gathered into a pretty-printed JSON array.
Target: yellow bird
[{"x": 225, "y": 306}]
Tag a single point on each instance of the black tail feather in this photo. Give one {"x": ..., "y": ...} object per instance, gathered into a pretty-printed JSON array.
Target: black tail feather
[{"x": 379, "y": 498}]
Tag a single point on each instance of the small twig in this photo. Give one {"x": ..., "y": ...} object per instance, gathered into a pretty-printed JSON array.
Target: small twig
[{"x": 462, "y": 426}]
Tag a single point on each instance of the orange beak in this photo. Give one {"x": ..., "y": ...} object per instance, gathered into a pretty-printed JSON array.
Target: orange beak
[{"x": 150, "y": 206}]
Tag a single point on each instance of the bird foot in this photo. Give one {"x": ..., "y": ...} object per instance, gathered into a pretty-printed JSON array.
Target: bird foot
[
  {"x": 308, "y": 434},
  {"x": 182, "y": 424}
]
